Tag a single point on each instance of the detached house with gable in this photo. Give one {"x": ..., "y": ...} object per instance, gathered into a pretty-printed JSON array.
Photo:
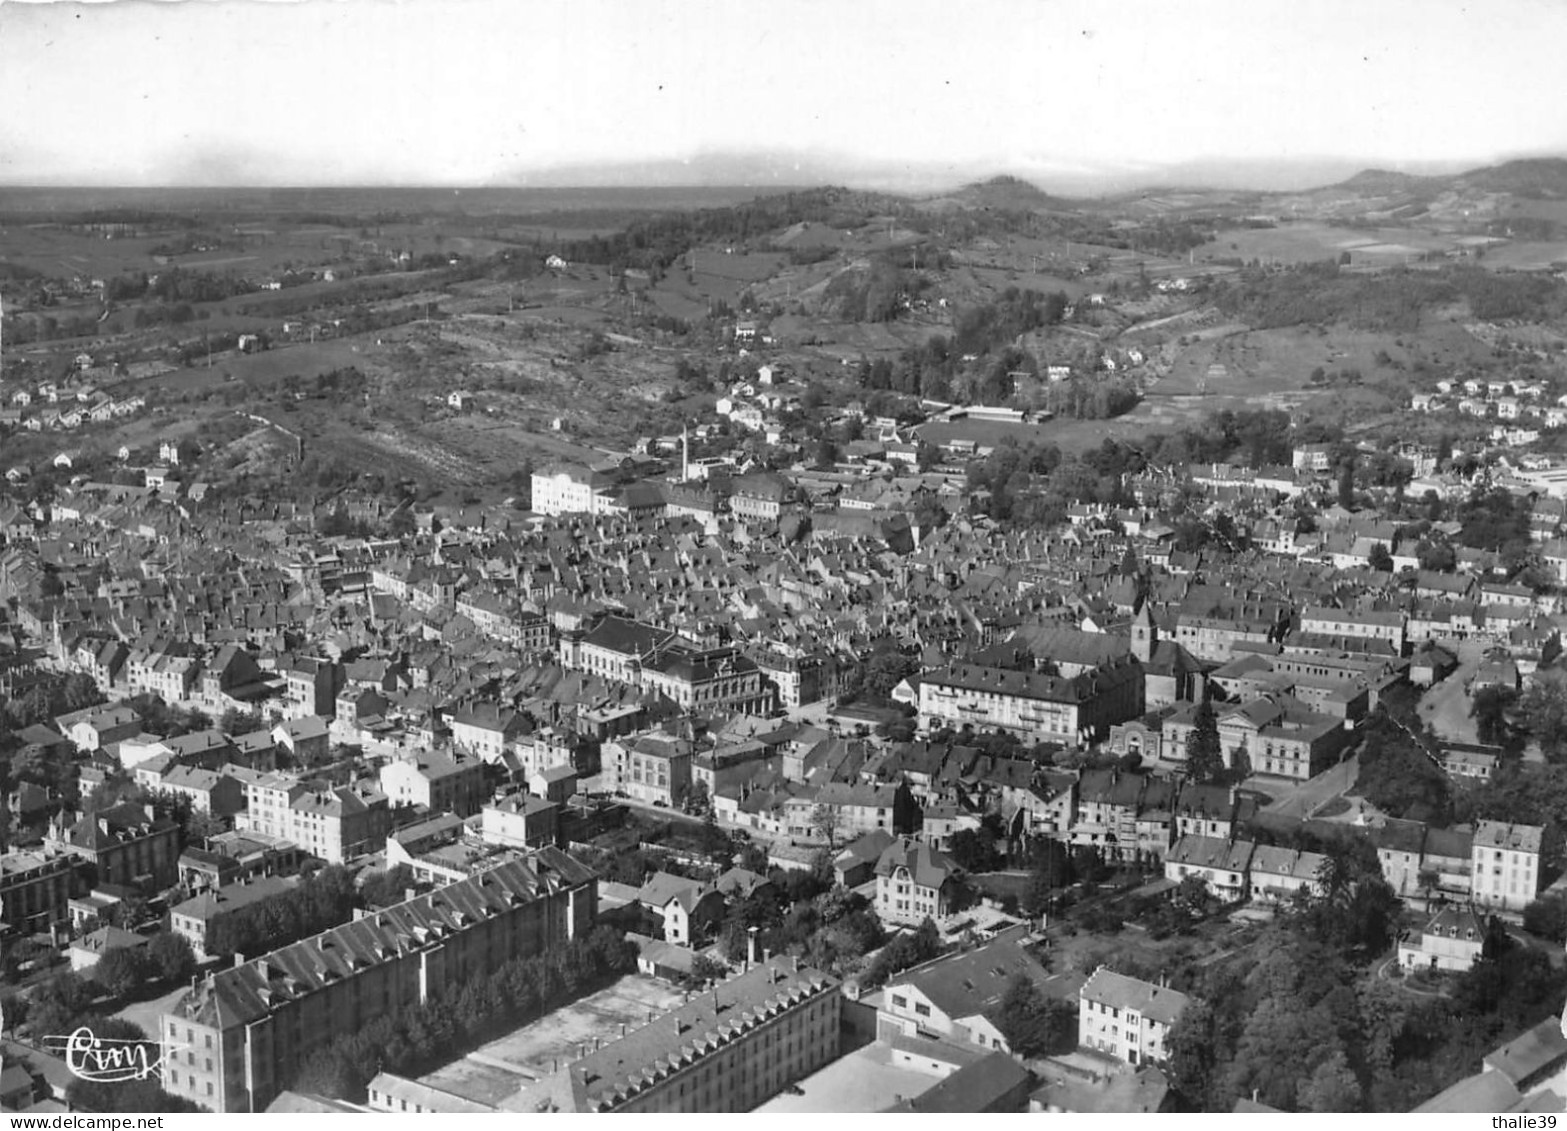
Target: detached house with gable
[{"x": 915, "y": 882}]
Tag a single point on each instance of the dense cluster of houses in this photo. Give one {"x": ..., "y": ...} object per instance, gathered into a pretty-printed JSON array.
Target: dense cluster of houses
[{"x": 450, "y": 696}]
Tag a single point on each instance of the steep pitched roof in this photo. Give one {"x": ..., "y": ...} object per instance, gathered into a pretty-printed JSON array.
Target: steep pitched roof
[
  {"x": 929, "y": 867},
  {"x": 1158, "y": 1003}
]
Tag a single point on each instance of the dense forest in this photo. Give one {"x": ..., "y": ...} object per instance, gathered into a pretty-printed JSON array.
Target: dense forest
[{"x": 655, "y": 242}]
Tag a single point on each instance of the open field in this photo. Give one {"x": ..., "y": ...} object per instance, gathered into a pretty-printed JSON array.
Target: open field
[
  {"x": 873, "y": 339},
  {"x": 735, "y": 266},
  {"x": 969, "y": 283},
  {"x": 987, "y": 433},
  {"x": 58, "y": 252},
  {"x": 1305, "y": 241},
  {"x": 1082, "y": 951},
  {"x": 1274, "y": 363},
  {"x": 533, "y": 1050},
  {"x": 262, "y": 370},
  {"x": 503, "y": 447},
  {"x": 1524, "y": 255}
]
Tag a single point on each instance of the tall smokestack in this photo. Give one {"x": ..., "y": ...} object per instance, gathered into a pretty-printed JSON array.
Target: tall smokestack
[{"x": 750, "y": 949}]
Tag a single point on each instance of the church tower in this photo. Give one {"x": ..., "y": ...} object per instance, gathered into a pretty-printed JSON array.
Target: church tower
[{"x": 1145, "y": 634}]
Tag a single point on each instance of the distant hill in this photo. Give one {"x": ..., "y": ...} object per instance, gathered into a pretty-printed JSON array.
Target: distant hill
[
  {"x": 1535, "y": 176},
  {"x": 1002, "y": 193},
  {"x": 1383, "y": 181}
]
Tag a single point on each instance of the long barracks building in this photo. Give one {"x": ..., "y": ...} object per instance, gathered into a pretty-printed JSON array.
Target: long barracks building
[
  {"x": 237, "y": 1039},
  {"x": 731, "y": 1048}
]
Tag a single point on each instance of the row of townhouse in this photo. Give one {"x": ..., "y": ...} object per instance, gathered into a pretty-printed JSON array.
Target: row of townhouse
[
  {"x": 211, "y": 679},
  {"x": 1494, "y": 866},
  {"x": 1235, "y": 871}
]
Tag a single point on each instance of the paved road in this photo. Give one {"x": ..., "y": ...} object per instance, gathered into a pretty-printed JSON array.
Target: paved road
[
  {"x": 1445, "y": 707},
  {"x": 1306, "y": 798}
]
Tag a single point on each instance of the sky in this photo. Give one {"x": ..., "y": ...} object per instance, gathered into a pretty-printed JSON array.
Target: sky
[{"x": 475, "y": 92}]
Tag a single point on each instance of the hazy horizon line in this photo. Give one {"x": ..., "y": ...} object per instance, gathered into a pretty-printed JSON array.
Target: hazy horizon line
[{"x": 784, "y": 171}]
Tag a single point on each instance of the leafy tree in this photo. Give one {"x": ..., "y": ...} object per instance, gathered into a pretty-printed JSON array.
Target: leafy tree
[
  {"x": 1204, "y": 754},
  {"x": 704, "y": 970},
  {"x": 1354, "y": 910},
  {"x": 1542, "y": 709},
  {"x": 886, "y": 670},
  {"x": 1399, "y": 777},
  {"x": 974, "y": 850},
  {"x": 1195, "y": 1049},
  {"x": 1033, "y": 1024},
  {"x": 1050, "y": 869},
  {"x": 169, "y": 957},
  {"x": 902, "y": 952},
  {"x": 827, "y": 822},
  {"x": 696, "y": 799},
  {"x": 325, "y": 900},
  {"x": 1332, "y": 1087},
  {"x": 128, "y": 1095},
  {"x": 1380, "y": 559},
  {"x": 1547, "y": 917},
  {"x": 388, "y": 887},
  {"x": 129, "y": 913},
  {"x": 719, "y": 848},
  {"x": 199, "y": 827},
  {"x": 753, "y": 858},
  {"x": 120, "y": 971},
  {"x": 56, "y": 1007},
  {"x": 1437, "y": 557},
  {"x": 236, "y": 721},
  {"x": 1191, "y": 897},
  {"x": 1489, "y": 708}
]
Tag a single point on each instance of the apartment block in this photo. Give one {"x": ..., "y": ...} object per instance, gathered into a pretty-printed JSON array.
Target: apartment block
[{"x": 1127, "y": 1018}]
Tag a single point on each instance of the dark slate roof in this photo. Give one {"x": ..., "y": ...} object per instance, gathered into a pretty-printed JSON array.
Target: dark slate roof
[{"x": 249, "y": 992}]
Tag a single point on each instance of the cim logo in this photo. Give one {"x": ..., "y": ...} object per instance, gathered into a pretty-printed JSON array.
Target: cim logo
[{"x": 110, "y": 1060}]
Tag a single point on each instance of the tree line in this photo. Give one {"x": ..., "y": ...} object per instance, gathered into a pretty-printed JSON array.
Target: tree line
[{"x": 325, "y": 900}]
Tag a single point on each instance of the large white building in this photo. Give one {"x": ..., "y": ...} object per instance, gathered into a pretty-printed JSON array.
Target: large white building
[
  {"x": 1506, "y": 863},
  {"x": 335, "y": 823},
  {"x": 1127, "y": 1018},
  {"x": 570, "y": 489}
]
